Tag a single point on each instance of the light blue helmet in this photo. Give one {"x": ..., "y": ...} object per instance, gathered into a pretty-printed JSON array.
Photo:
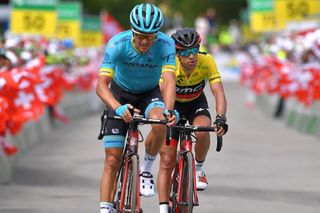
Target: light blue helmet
[{"x": 146, "y": 18}]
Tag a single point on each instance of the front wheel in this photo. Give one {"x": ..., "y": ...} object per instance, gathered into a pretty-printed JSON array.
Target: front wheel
[
  {"x": 127, "y": 195},
  {"x": 173, "y": 199},
  {"x": 187, "y": 181},
  {"x": 134, "y": 192}
]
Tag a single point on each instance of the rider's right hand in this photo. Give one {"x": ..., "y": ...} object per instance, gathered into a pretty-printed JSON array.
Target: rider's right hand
[
  {"x": 172, "y": 116},
  {"x": 123, "y": 111}
]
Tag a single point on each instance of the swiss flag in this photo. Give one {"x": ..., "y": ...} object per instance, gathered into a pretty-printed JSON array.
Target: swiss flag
[
  {"x": 50, "y": 89},
  {"x": 3, "y": 114},
  {"x": 110, "y": 26},
  {"x": 24, "y": 103},
  {"x": 8, "y": 85}
]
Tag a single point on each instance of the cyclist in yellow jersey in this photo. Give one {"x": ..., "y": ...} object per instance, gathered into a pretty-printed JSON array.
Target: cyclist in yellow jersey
[{"x": 193, "y": 70}]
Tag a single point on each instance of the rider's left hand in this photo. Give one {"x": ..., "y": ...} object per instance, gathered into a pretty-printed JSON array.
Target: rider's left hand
[{"x": 221, "y": 124}]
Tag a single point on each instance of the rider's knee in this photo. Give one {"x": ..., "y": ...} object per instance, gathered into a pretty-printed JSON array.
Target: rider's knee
[
  {"x": 202, "y": 136},
  {"x": 113, "y": 161},
  {"x": 167, "y": 161}
]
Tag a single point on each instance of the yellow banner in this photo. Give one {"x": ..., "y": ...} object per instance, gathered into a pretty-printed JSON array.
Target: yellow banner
[
  {"x": 33, "y": 22},
  {"x": 91, "y": 39},
  {"x": 296, "y": 10},
  {"x": 265, "y": 21},
  {"x": 69, "y": 30},
  {"x": 248, "y": 35}
]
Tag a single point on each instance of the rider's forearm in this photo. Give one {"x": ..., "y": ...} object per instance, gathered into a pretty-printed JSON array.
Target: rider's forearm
[
  {"x": 220, "y": 99},
  {"x": 105, "y": 94},
  {"x": 169, "y": 91}
]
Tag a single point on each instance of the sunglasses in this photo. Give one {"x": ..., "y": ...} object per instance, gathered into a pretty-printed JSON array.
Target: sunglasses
[
  {"x": 141, "y": 37},
  {"x": 192, "y": 51}
]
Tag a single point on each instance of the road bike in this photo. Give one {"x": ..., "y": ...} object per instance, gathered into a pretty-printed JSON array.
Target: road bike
[
  {"x": 127, "y": 184},
  {"x": 183, "y": 192}
]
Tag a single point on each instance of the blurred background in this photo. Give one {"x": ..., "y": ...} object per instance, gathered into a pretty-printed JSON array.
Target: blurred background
[{"x": 51, "y": 50}]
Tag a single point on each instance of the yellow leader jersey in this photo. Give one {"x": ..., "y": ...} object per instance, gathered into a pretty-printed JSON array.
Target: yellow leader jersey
[{"x": 189, "y": 88}]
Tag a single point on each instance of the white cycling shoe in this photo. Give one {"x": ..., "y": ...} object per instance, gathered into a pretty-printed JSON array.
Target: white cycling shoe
[
  {"x": 108, "y": 210},
  {"x": 147, "y": 184},
  {"x": 201, "y": 180}
]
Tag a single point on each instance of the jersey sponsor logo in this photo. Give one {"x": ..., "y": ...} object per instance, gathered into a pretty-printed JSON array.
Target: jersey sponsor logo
[
  {"x": 199, "y": 110},
  {"x": 169, "y": 57},
  {"x": 139, "y": 65},
  {"x": 106, "y": 58},
  {"x": 131, "y": 56},
  {"x": 190, "y": 89},
  {"x": 122, "y": 40},
  {"x": 150, "y": 56},
  {"x": 133, "y": 141},
  {"x": 115, "y": 131},
  {"x": 180, "y": 79}
]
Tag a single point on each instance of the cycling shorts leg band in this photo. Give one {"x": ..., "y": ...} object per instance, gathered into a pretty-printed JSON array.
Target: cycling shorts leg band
[
  {"x": 113, "y": 141},
  {"x": 154, "y": 105}
]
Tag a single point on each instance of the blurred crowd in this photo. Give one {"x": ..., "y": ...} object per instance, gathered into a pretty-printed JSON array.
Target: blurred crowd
[
  {"x": 34, "y": 74},
  {"x": 286, "y": 64},
  {"x": 213, "y": 37}
]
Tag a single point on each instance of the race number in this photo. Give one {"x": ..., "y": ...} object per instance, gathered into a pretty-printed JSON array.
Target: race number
[
  {"x": 295, "y": 10},
  {"x": 91, "y": 39},
  {"x": 34, "y": 22},
  {"x": 264, "y": 22}
]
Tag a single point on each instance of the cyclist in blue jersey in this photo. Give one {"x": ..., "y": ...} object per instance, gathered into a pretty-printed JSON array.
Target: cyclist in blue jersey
[{"x": 129, "y": 75}]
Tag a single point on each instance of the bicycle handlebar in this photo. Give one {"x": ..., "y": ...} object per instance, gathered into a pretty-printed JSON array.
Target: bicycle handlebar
[
  {"x": 139, "y": 119},
  {"x": 190, "y": 128},
  {"x": 135, "y": 119}
]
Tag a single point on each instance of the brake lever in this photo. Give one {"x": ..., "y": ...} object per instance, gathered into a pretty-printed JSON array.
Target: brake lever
[
  {"x": 104, "y": 119},
  {"x": 219, "y": 143},
  {"x": 169, "y": 136}
]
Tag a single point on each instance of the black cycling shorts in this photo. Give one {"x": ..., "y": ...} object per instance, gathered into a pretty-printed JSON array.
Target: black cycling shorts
[
  {"x": 144, "y": 102},
  {"x": 190, "y": 110}
]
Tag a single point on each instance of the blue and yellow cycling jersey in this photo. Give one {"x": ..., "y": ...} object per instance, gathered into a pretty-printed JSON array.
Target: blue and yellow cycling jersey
[{"x": 134, "y": 71}]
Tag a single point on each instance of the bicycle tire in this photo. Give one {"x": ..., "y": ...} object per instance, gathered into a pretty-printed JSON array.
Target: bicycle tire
[
  {"x": 173, "y": 199},
  {"x": 187, "y": 181},
  {"x": 133, "y": 183},
  {"x": 119, "y": 185},
  {"x": 127, "y": 194}
]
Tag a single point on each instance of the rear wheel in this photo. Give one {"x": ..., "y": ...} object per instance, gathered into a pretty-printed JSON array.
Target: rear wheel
[{"x": 187, "y": 184}]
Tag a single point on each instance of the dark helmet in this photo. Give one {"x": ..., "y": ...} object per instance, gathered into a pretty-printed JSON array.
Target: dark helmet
[
  {"x": 186, "y": 38},
  {"x": 146, "y": 18}
]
